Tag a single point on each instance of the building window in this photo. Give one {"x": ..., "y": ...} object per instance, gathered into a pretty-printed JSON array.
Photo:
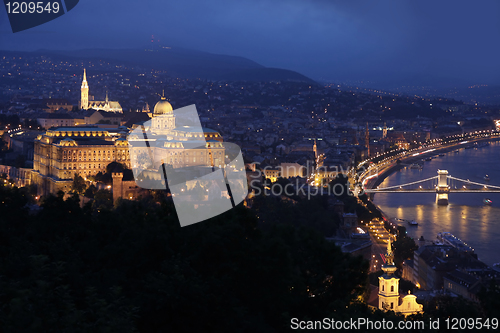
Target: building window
[
  {"x": 392, "y": 288},
  {"x": 383, "y": 287},
  {"x": 392, "y": 305}
]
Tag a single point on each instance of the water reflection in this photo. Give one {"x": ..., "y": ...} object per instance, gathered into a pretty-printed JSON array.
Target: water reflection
[{"x": 466, "y": 216}]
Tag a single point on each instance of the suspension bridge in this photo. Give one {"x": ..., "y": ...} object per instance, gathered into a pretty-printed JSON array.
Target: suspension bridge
[{"x": 442, "y": 184}]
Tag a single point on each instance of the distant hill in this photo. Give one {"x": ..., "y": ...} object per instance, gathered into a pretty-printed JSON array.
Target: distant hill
[
  {"x": 267, "y": 74},
  {"x": 185, "y": 63}
]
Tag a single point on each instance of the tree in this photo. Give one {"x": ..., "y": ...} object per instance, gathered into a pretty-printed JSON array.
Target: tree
[
  {"x": 133, "y": 268},
  {"x": 198, "y": 192},
  {"x": 79, "y": 184},
  {"x": 340, "y": 186},
  {"x": 115, "y": 167},
  {"x": 89, "y": 193},
  {"x": 404, "y": 247}
]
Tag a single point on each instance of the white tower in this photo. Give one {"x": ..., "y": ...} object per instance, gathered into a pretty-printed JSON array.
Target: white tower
[
  {"x": 84, "y": 101},
  {"x": 388, "y": 293}
]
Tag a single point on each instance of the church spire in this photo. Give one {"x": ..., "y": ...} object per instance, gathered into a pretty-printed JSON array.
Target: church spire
[
  {"x": 389, "y": 255},
  {"x": 163, "y": 95},
  {"x": 389, "y": 268},
  {"x": 84, "y": 96}
]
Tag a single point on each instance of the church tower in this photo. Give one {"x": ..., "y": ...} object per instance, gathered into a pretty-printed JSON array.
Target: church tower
[
  {"x": 384, "y": 131},
  {"x": 106, "y": 103},
  {"x": 388, "y": 288},
  {"x": 84, "y": 101}
]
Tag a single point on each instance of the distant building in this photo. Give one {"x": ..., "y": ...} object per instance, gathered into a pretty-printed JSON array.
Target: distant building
[
  {"x": 86, "y": 103},
  {"x": 272, "y": 173},
  {"x": 56, "y": 104},
  {"x": 104, "y": 117},
  {"x": 21, "y": 176},
  {"x": 292, "y": 170},
  {"x": 462, "y": 284},
  {"x": 434, "y": 268},
  {"x": 48, "y": 120},
  {"x": 22, "y": 144}
]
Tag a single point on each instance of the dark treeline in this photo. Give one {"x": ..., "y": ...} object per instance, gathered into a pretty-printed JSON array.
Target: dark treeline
[{"x": 131, "y": 267}]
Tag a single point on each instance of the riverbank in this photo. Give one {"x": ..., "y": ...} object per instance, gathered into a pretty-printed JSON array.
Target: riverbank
[
  {"x": 466, "y": 216},
  {"x": 404, "y": 161}
]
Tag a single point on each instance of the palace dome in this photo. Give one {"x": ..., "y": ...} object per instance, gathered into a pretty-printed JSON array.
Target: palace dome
[{"x": 162, "y": 107}]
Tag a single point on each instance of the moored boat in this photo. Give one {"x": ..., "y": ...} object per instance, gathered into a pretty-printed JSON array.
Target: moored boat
[{"x": 447, "y": 238}]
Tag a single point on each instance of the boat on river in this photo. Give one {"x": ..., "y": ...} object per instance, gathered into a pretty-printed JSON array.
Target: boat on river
[
  {"x": 447, "y": 238},
  {"x": 415, "y": 166}
]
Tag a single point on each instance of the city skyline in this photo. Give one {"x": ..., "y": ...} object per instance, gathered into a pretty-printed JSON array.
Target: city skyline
[
  {"x": 251, "y": 166},
  {"x": 385, "y": 42}
]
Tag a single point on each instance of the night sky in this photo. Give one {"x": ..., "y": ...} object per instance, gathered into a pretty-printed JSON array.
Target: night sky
[{"x": 324, "y": 39}]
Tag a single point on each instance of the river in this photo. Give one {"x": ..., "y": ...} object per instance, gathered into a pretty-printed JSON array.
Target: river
[{"x": 466, "y": 216}]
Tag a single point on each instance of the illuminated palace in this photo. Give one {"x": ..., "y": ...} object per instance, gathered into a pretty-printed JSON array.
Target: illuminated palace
[
  {"x": 62, "y": 152},
  {"x": 85, "y": 103},
  {"x": 169, "y": 142}
]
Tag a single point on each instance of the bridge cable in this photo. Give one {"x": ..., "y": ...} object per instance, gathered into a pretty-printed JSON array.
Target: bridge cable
[{"x": 407, "y": 184}]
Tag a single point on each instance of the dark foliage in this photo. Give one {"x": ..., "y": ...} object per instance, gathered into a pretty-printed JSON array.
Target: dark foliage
[{"x": 133, "y": 268}]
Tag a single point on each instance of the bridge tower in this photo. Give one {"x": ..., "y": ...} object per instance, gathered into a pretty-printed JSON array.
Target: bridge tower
[{"x": 442, "y": 189}]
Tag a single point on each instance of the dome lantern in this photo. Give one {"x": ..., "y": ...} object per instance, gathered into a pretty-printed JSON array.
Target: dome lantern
[{"x": 162, "y": 107}]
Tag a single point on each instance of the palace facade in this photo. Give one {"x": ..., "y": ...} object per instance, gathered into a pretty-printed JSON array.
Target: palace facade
[
  {"x": 62, "y": 152},
  {"x": 179, "y": 146}
]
